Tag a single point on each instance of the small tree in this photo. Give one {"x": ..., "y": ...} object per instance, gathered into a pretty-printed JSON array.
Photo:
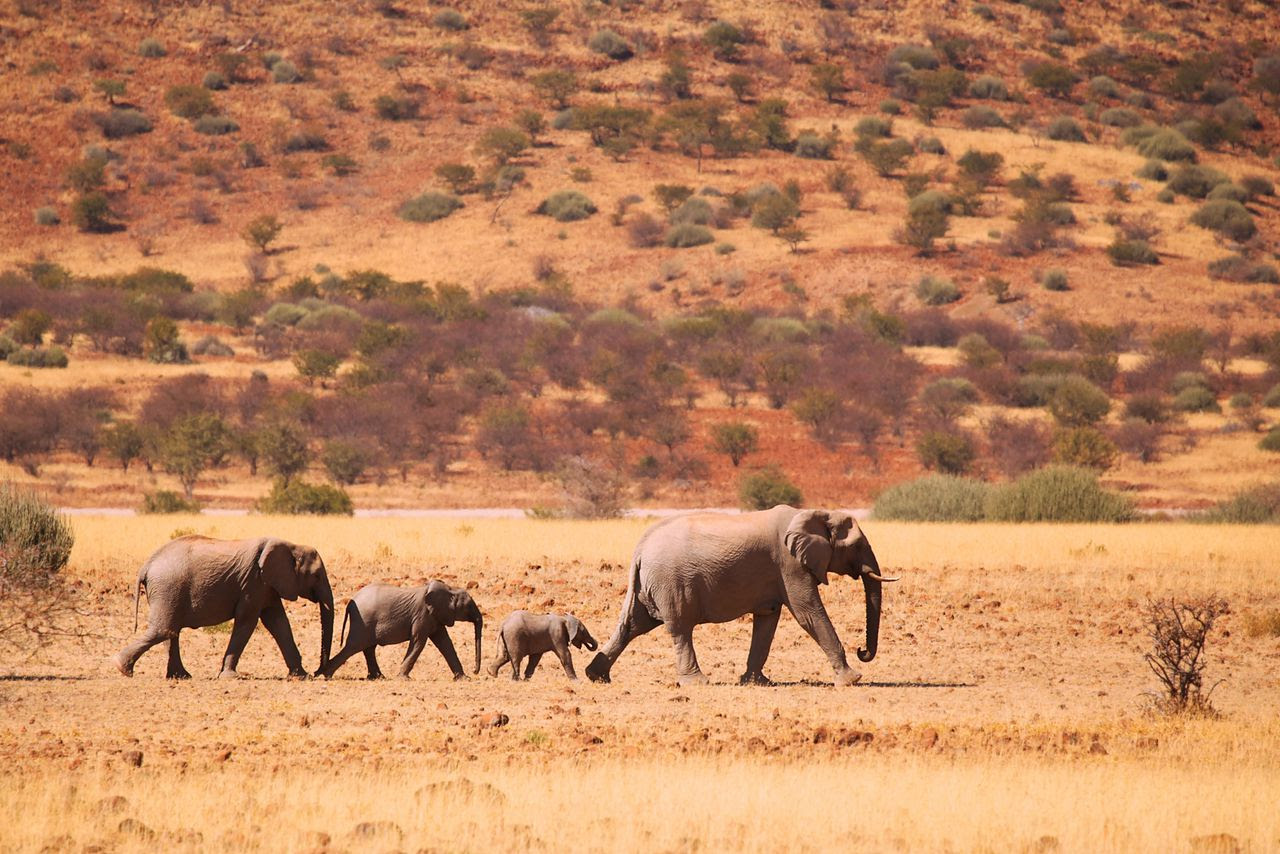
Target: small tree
[
  {"x": 556, "y": 86},
  {"x": 284, "y": 449},
  {"x": 460, "y": 177},
  {"x": 671, "y": 196},
  {"x": 1179, "y": 631},
  {"x": 192, "y": 445},
  {"x": 592, "y": 489},
  {"x": 110, "y": 89},
  {"x": 735, "y": 439},
  {"x": 828, "y": 80},
  {"x": 262, "y": 231},
  {"x": 125, "y": 442},
  {"x": 92, "y": 212},
  {"x": 775, "y": 212},
  {"x": 162, "y": 344},
  {"x": 503, "y": 144},
  {"x": 316, "y": 364},
  {"x": 768, "y": 487}
]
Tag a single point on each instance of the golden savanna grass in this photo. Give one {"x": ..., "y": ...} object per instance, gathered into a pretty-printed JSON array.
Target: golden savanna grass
[{"x": 1006, "y": 710}]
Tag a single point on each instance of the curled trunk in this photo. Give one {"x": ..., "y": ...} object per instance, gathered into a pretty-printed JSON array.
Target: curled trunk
[{"x": 872, "y": 588}]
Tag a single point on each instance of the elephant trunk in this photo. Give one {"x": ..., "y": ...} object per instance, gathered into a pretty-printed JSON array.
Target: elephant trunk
[
  {"x": 872, "y": 587},
  {"x": 324, "y": 598},
  {"x": 475, "y": 617}
]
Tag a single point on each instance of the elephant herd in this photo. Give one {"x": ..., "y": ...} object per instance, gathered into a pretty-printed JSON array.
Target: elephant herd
[{"x": 686, "y": 571}]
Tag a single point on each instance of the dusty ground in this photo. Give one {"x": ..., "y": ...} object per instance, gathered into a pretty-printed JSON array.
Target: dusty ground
[{"x": 1010, "y": 660}]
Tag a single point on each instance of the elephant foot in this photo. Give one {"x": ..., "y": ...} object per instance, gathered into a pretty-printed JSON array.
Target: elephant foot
[
  {"x": 299, "y": 674},
  {"x": 229, "y": 674},
  {"x": 492, "y": 671},
  {"x": 691, "y": 679},
  {"x": 756, "y": 678},
  {"x": 177, "y": 674},
  {"x": 460, "y": 677},
  {"x": 598, "y": 669},
  {"x": 848, "y": 677},
  {"x": 122, "y": 665},
  {"x": 374, "y": 677}
]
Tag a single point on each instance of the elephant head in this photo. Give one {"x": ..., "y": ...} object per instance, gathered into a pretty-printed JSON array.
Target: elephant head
[
  {"x": 578, "y": 634},
  {"x": 448, "y": 606},
  {"x": 827, "y": 541},
  {"x": 295, "y": 570}
]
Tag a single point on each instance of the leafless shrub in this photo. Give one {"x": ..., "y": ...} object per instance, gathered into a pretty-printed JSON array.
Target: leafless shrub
[
  {"x": 592, "y": 489},
  {"x": 1179, "y": 630},
  {"x": 199, "y": 210},
  {"x": 257, "y": 265}
]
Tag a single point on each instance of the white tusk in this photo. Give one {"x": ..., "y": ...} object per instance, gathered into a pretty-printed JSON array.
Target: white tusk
[{"x": 874, "y": 577}]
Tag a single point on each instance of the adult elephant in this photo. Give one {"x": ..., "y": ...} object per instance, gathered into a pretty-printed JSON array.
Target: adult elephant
[
  {"x": 197, "y": 581},
  {"x": 712, "y": 568}
]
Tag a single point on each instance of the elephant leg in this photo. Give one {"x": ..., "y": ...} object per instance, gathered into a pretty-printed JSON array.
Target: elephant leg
[
  {"x": 500, "y": 659},
  {"x": 175, "y": 669},
  {"x": 532, "y": 665},
  {"x": 277, "y": 623},
  {"x": 126, "y": 658},
  {"x": 416, "y": 645},
  {"x": 687, "y": 670},
  {"x": 371, "y": 661},
  {"x": 634, "y": 622},
  {"x": 812, "y": 617},
  {"x": 566, "y": 658},
  {"x": 348, "y": 649},
  {"x": 443, "y": 643},
  {"x": 241, "y": 629},
  {"x": 763, "y": 625}
]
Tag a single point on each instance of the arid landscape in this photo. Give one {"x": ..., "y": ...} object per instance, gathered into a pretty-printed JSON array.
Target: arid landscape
[
  {"x": 1001, "y": 276},
  {"x": 1006, "y": 711}
]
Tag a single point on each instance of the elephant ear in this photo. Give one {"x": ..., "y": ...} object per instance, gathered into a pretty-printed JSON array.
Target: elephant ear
[
  {"x": 279, "y": 568},
  {"x": 808, "y": 538},
  {"x": 574, "y": 625},
  {"x": 439, "y": 600}
]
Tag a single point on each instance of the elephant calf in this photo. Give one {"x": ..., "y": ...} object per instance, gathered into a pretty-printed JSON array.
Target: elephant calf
[
  {"x": 382, "y": 614},
  {"x": 524, "y": 634}
]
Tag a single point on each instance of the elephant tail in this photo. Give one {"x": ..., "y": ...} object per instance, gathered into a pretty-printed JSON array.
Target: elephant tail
[
  {"x": 137, "y": 593},
  {"x": 346, "y": 614}
]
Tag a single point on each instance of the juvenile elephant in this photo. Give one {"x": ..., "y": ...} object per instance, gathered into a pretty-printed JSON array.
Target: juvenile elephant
[
  {"x": 712, "y": 568},
  {"x": 528, "y": 634},
  {"x": 382, "y": 614},
  {"x": 197, "y": 581}
]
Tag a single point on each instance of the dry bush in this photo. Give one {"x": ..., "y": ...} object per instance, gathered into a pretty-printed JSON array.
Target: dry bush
[{"x": 1179, "y": 630}]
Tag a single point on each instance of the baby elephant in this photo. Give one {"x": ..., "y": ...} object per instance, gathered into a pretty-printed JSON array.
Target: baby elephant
[
  {"x": 382, "y": 614},
  {"x": 524, "y": 634}
]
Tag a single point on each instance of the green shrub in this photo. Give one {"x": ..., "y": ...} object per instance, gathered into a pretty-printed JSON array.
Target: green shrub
[
  {"x": 1054, "y": 280},
  {"x": 215, "y": 81},
  {"x": 1271, "y": 400},
  {"x": 1057, "y": 494},
  {"x": 1130, "y": 253},
  {"x": 285, "y": 71},
  {"x": 46, "y": 215},
  {"x": 949, "y": 453},
  {"x": 165, "y": 501},
  {"x": 610, "y": 44},
  {"x": 694, "y": 211},
  {"x": 1054, "y": 79},
  {"x": 766, "y": 488},
  {"x": 915, "y": 55},
  {"x": 1271, "y": 441},
  {"x": 982, "y": 116},
  {"x": 284, "y": 314},
  {"x": 308, "y": 139},
  {"x": 1120, "y": 117},
  {"x": 1153, "y": 170},
  {"x": 119, "y": 123},
  {"x": 1076, "y": 402},
  {"x": 812, "y": 146},
  {"x": 1228, "y": 218},
  {"x": 1240, "y": 268},
  {"x": 1189, "y": 379},
  {"x": 39, "y": 357},
  {"x": 686, "y": 235},
  {"x": 934, "y": 498},
  {"x": 429, "y": 207},
  {"x": 450, "y": 19},
  {"x": 724, "y": 39},
  {"x": 567, "y": 206},
  {"x": 1086, "y": 447},
  {"x": 1196, "y": 181},
  {"x": 989, "y": 87},
  {"x": 1065, "y": 129},
  {"x": 1229, "y": 191},
  {"x": 934, "y": 201},
  {"x": 1166, "y": 196},
  {"x": 873, "y": 127},
  {"x": 890, "y": 107},
  {"x": 189, "y": 102},
  {"x": 931, "y": 145},
  {"x": 1257, "y": 185},
  {"x": 151, "y": 48},
  {"x": 298, "y": 497},
  {"x": 933, "y": 290},
  {"x": 215, "y": 125},
  {"x": 1196, "y": 399},
  {"x": 396, "y": 108},
  {"x": 35, "y": 540},
  {"x": 1256, "y": 505},
  {"x": 1167, "y": 144},
  {"x": 1103, "y": 86},
  {"x": 344, "y": 461}
]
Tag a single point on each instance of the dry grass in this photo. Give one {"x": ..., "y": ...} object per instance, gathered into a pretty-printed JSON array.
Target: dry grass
[{"x": 1006, "y": 709}]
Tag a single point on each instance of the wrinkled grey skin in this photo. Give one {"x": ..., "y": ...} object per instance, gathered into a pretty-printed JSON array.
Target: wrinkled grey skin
[
  {"x": 712, "y": 568},
  {"x": 382, "y": 614},
  {"x": 525, "y": 634},
  {"x": 197, "y": 581}
]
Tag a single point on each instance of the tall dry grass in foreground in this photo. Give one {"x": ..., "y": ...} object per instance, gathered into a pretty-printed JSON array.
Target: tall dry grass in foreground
[{"x": 900, "y": 803}]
